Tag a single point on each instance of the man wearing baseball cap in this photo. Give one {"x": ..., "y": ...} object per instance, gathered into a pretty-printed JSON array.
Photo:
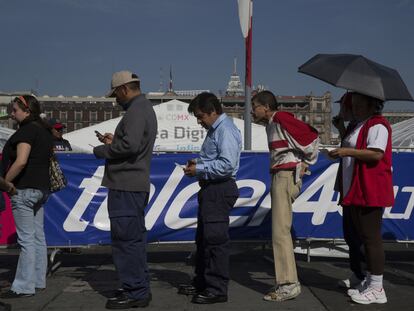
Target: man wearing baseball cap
[
  {"x": 60, "y": 144},
  {"x": 121, "y": 78},
  {"x": 128, "y": 154}
]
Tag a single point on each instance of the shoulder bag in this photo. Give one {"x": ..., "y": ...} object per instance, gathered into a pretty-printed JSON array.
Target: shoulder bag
[{"x": 57, "y": 178}]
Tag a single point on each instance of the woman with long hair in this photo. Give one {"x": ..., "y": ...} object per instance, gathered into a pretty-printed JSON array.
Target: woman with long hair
[{"x": 26, "y": 158}]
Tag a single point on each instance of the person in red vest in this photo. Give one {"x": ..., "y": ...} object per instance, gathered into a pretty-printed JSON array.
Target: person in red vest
[
  {"x": 293, "y": 146},
  {"x": 366, "y": 188}
]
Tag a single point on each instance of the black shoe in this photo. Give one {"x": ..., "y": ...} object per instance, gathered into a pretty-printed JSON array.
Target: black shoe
[
  {"x": 119, "y": 292},
  {"x": 11, "y": 294},
  {"x": 187, "y": 289},
  {"x": 207, "y": 297},
  {"x": 124, "y": 302}
]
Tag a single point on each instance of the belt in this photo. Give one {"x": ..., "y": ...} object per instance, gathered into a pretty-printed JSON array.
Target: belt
[
  {"x": 206, "y": 182},
  {"x": 274, "y": 171}
]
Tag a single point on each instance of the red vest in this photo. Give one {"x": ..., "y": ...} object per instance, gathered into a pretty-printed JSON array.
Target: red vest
[{"x": 372, "y": 181}]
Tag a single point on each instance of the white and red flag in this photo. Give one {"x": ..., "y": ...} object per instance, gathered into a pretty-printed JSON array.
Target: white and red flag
[{"x": 245, "y": 17}]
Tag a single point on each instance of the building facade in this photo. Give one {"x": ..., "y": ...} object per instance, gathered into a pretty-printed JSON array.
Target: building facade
[
  {"x": 78, "y": 112},
  {"x": 315, "y": 110}
]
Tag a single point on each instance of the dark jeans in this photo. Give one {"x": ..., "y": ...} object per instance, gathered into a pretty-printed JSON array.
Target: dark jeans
[
  {"x": 368, "y": 222},
  {"x": 129, "y": 238},
  {"x": 356, "y": 257},
  {"x": 212, "y": 238}
]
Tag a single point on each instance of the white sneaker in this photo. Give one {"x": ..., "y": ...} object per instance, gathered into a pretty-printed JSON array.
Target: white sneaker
[
  {"x": 358, "y": 288},
  {"x": 283, "y": 292},
  {"x": 370, "y": 295},
  {"x": 349, "y": 283}
]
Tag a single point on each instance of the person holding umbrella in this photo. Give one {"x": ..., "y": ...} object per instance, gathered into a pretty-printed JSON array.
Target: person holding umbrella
[
  {"x": 366, "y": 188},
  {"x": 356, "y": 256},
  {"x": 365, "y": 178}
]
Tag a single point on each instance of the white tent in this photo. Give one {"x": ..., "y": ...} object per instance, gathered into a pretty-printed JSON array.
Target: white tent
[
  {"x": 85, "y": 139},
  {"x": 5, "y": 133},
  {"x": 403, "y": 133},
  {"x": 177, "y": 131}
]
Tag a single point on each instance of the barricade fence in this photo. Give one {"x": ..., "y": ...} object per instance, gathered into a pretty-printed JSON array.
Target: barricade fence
[{"x": 78, "y": 214}]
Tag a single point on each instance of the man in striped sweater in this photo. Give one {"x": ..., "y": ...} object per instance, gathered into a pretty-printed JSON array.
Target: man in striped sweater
[{"x": 293, "y": 146}]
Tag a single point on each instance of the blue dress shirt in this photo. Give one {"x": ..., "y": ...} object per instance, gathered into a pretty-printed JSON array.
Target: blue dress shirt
[{"x": 220, "y": 152}]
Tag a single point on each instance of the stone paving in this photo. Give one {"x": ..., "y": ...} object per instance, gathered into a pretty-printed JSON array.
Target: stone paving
[{"x": 84, "y": 281}]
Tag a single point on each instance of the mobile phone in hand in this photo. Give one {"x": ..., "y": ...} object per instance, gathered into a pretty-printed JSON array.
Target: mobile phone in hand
[{"x": 99, "y": 134}]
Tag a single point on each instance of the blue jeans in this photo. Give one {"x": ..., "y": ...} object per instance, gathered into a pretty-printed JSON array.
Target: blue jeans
[{"x": 32, "y": 265}]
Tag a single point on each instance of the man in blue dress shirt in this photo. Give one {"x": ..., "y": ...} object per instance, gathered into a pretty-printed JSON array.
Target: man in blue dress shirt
[{"x": 216, "y": 170}]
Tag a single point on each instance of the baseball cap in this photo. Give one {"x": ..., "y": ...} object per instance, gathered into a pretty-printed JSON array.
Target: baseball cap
[
  {"x": 58, "y": 126},
  {"x": 120, "y": 78},
  {"x": 346, "y": 99}
]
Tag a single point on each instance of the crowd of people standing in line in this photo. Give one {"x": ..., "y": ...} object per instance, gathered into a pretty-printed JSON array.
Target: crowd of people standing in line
[{"x": 365, "y": 167}]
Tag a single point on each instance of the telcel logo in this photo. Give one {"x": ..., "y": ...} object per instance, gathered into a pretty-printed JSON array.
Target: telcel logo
[{"x": 259, "y": 197}]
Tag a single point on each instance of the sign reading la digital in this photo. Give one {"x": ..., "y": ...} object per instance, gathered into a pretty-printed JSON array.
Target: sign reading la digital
[{"x": 181, "y": 132}]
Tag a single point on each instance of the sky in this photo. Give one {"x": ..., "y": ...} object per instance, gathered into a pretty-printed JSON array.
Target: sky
[{"x": 72, "y": 47}]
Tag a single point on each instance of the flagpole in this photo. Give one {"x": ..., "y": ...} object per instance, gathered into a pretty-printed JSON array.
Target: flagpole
[{"x": 248, "y": 90}]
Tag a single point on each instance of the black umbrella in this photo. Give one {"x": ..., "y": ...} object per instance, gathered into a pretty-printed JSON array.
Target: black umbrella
[{"x": 359, "y": 74}]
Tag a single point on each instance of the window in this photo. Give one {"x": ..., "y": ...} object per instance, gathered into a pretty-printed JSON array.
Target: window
[
  {"x": 78, "y": 126},
  {"x": 93, "y": 116},
  {"x": 78, "y": 116},
  {"x": 3, "y": 111},
  {"x": 107, "y": 115},
  {"x": 63, "y": 116},
  {"x": 319, "y": 106},
  {"x": 318, "y": 119}
]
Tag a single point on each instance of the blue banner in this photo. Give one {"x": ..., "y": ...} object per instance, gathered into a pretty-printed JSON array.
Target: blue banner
[{"x": 78, "y": 214}]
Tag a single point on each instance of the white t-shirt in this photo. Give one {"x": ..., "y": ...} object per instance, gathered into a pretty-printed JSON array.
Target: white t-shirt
[{"x": 377, "y": 138}]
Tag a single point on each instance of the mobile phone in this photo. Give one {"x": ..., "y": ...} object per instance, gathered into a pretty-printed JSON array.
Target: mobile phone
[
  {"x": 98, "y": 134},
  {"x": 325, "y": 152}
]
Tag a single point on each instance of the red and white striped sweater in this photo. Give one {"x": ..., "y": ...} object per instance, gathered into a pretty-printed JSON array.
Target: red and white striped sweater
[{"x": 291, "y": 142}]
